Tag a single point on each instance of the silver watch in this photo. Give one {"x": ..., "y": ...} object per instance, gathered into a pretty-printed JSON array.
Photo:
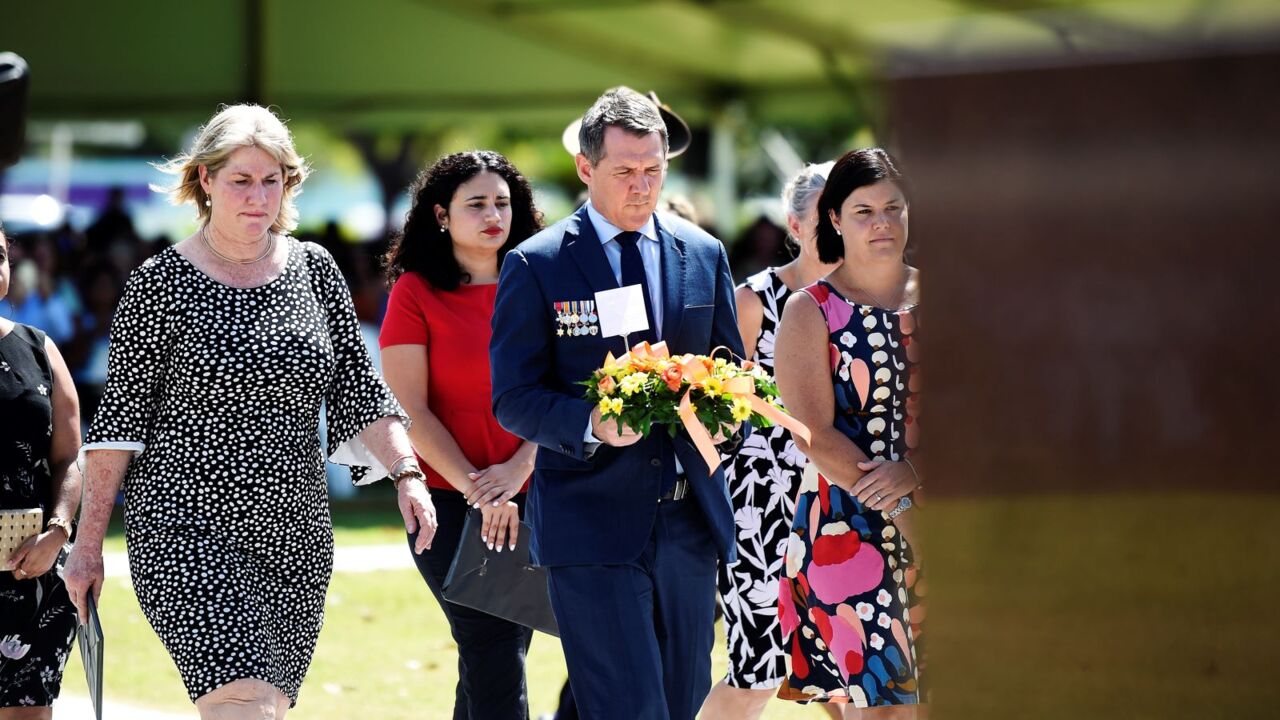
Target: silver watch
[{"x": 904, "y": 505}]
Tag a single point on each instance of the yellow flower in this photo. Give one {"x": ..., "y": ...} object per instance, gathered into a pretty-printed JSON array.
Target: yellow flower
[
  {"x": 713, "y": 385},
  {"x": 741, "y": 409},
  {"x": 632, "y": 383},
  {"x": 610, "y": 406},
  {"x": 721, "y": 362}
]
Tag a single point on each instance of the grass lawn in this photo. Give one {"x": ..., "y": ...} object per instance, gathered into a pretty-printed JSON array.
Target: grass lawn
[
  {"x": 385, "y": 651},
  {"x": 1044, "y": 607}
]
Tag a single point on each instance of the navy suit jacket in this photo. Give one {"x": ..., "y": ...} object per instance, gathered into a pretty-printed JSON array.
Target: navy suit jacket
[{"x": 600, "y": 508}]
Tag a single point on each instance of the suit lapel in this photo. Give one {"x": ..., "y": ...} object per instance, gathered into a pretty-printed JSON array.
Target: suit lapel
[
  {"x": 584, "y": 247},
  {"x": 673, "y": 279}
]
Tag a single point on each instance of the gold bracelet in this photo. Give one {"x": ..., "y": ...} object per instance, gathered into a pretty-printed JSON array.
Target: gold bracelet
[
  {"x": 61, "y": 523},
  {"x": 919, "y": 484}
]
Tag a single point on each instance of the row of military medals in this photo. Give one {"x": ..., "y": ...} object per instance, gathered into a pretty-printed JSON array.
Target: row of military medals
[{"x": 577, "y": 318}]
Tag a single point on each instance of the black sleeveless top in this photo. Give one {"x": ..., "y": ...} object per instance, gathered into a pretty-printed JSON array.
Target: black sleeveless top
[{"x": 26, "y": 421}]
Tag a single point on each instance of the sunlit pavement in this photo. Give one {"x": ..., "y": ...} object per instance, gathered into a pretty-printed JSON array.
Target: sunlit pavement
[
  {"x": 78, "y": 708},
  {"x": 354, "y": 559}
]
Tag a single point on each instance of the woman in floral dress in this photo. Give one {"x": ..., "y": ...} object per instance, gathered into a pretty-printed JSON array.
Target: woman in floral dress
[{"x": 846, "y": 368}]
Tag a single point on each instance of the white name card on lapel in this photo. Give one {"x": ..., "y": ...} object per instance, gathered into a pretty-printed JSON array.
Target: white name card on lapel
[{"x": 622, "y": 311}]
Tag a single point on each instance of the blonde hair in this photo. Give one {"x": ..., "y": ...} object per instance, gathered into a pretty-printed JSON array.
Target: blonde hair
[{"x": 235, "y": 127}]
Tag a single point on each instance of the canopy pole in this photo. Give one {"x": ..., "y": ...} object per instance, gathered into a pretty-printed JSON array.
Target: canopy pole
[
  {"x": 254, "y": 51},
  {"x": 725, "y": 122}
]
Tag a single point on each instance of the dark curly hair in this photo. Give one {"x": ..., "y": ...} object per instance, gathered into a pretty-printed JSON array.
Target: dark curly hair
[
  {"x": 854, "y": 169},
  {"x": 423, "y": 248}
]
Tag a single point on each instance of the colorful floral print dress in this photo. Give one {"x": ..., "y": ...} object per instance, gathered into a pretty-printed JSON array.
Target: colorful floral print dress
[{"x": 846, "y": 596}]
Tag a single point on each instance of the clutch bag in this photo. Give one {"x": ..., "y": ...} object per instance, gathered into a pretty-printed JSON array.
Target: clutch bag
[
  {"x": 17, "y": 527},
  {"x": 503, "y": 584},
  {"x": 90, "y": 635}
]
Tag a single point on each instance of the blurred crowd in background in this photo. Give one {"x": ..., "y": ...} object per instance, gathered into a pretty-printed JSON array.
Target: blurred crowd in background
[{"x": 67, "y": 282}]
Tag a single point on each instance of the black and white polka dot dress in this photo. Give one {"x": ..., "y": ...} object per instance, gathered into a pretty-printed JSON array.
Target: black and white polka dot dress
[{"x": 219, "y": 390}]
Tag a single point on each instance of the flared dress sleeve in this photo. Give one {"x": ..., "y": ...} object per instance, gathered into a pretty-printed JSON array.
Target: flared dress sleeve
[
  {"x": 137, "y": 352},
  {"x": 356, "y": 396}
]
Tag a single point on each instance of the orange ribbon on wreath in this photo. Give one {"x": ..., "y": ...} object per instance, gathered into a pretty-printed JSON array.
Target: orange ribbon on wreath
[{"x": 695, "y": 371}]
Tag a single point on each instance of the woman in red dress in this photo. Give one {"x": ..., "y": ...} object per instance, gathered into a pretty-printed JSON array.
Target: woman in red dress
[{"x": 468, "y": 210}]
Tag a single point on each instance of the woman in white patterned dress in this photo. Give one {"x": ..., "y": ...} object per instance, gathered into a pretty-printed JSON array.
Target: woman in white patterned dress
[
  {"x": 763, "y": 477},
  {"x": 222, "y": 350}
]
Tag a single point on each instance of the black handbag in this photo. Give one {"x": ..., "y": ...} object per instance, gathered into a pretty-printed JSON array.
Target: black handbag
[{"x": 503, "y": 584}]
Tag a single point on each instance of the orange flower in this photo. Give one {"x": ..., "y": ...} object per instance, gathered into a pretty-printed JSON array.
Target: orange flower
[
  {"x": 672, "y": 377},
  {"x": 708, "y": 363},
  {"x": 606, "y": 385}
]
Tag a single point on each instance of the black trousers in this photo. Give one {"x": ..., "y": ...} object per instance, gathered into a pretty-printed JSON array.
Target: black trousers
[{"x": 491, "y": 651}]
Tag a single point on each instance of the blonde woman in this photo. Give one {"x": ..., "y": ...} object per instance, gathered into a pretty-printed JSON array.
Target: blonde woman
[{"x": 222, "y": 350}]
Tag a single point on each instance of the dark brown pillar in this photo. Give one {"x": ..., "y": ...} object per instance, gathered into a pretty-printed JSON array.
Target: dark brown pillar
[{"x": 1102, "y": 408}]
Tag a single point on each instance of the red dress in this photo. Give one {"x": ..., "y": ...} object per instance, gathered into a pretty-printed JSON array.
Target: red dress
[{"x": 454, "y": 327}]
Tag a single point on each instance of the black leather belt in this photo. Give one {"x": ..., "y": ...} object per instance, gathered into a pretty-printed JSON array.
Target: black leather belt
[{"x": 678, "y": 491}]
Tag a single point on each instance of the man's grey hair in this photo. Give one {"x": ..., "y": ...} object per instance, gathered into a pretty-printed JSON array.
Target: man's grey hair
[{"x": 619, "y": 107}]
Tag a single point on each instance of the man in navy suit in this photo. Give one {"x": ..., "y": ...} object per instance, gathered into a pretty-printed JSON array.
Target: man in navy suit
[{"x": 630, "y": 528}]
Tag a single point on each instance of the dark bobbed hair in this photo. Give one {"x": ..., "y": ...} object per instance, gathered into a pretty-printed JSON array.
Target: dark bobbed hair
[
  {"x": 855, "y": 169},
  {"x": 423, "y": 248}
]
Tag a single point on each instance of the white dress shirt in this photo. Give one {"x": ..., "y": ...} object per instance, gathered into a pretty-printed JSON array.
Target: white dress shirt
[{"x": 650, "y": 253}]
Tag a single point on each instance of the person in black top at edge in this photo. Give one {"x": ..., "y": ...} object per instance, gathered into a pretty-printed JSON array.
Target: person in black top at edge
[{"x": 39, "y": 438}]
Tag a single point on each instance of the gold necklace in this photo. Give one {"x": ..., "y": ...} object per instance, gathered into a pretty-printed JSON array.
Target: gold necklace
[
  {"x": 876, "y": 300},
  {"x": 204, "y": 235}
]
